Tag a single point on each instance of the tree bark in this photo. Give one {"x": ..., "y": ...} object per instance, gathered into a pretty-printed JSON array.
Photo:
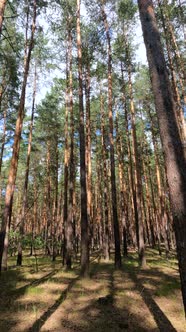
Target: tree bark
[
  {"x": 161, "y": 211},
  {"x": 88, "y": 144},
  {"x": 25, "y": 190},
  {"x": 122, "y": 185},
  {"x": 105, "y": 182},
  {"x": 111, "y": 142},
  {"x": 55, "y": 202},
  {"x": 137, "y": 177},
  {"x": 15, "y": 155},
  {"x": 179, "y": 110},
  {"x": 84, "y": 217},
  {"x": 66, "y": 164},
  {"x": 172, "y": 145},
  {"x": 70, "y": 217},
  {"x": 3, "y": 139}
]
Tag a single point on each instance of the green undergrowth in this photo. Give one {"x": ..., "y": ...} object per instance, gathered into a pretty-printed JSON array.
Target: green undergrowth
[
  {"x": 15, "y": 274},
  {"x": 168, "y": 288},
  {"x": 34, "y": 290}
]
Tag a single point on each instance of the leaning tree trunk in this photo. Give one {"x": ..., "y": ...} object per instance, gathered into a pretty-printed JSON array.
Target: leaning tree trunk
[
  {"x": 15, "y": 156},
  {"x": 179, "y": 113},
  {"x": 84, "y": 216},
  {"x": 176, "y": 51},
  {"x": 172, "y": 145}
]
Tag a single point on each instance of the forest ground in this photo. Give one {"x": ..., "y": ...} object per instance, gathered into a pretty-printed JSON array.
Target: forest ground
[{"x": 45, "y": 297}]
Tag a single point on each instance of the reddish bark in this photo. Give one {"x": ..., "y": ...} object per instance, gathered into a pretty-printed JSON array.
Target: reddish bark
[{"x": 171, "y": 141}]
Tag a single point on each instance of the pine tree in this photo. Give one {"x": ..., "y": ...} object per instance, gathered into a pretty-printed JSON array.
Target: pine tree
[{"x": 171, "y": 141}]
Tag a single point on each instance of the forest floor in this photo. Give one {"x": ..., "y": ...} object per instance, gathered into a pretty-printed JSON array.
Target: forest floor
[{"x": 48, "y": 298}]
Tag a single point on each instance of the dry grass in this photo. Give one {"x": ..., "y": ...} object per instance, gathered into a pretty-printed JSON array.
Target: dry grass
[{"x": 112, "y": 301}]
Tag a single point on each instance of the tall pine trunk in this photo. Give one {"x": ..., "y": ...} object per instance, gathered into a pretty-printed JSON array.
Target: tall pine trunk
[
  {"x": 161, "y": 211},
  {"x": 88, "y": 144},
  {"x": 70, "y": 217},
  {"x": 25, "y": 189},
  {"x": 105, "y": 181},
  {"x": 111, "y": 141},
  {"x": 66, "y": 163},
  {"x": 15, "y": 155},
  {"x": 137, "y": 177},
  {"x": 3, "y": 139},
  {"x": 122, "y": 185},
  {"x": 84, "y": 216},
  {"x": 172, "y": 145},
  {"x": 179, "y": 110}
]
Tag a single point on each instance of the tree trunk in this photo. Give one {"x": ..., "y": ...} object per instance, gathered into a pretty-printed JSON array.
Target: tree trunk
[
  {"x": 55, "y": 202},
  {"x": 131, "y": 178},
  {"x": 105, "y": 182},
  {"x": 84, "y": 217},
  {"x": 172, "y": 145},
  {"x": 149, "y": 207},
  {"x": 48, "y": 199},
  {"x": 137, "y": 177},
  {"x": 173, "y": 43},
  {"x": 161, "y": 212},
  {"x": 122, "y": 185},
  {"x": 15, "y": 154},
  {"x": 2, "y": 152},
  {"x": 3, "y": 139},
  {"x": 70, "y": 218},
  {"x": 66, "y": 163},
  {"x": 25, "y": 190},
  {"x": 88, "y": 145},
  {"x": 111, "y": 141},
  {"x": 179, "y": 110}
]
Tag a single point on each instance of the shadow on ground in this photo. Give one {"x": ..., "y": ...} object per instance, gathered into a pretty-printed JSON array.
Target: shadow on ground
[
  {"x": 87, "y": 311},
  {"x": 110, "y": 301}
]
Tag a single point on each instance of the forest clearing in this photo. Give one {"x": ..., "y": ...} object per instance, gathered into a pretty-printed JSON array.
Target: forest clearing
[
  {"x": 92, "y": 165},
  {"x": 44, "y": 297}
]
